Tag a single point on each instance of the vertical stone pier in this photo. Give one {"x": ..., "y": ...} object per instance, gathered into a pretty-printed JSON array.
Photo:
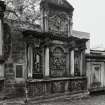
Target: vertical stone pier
[
  {"x": 2, "y": 9},
  {"x": 72, "y": 62},
  {"x": 47, "y": 62}
]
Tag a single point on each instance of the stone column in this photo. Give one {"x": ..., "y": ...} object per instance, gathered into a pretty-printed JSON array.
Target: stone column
[
  {"x": 69, "y": 27},
  {"x": 2, "y": 9},
  {"x": 84, "y": 63},
  {"x": 47, "y": 72},
  {"x": 1, "y": 38},
  {"x": 70, "y": 24},
  {"x": 81, "y": 63},
  {"x": 1, "y": 70},
  {"x": 42, "y": 19},
  {"x": 68, "y": 63},
  {"x": 30, "y": 62},
  {"x": 72, "y": 62},
  {"x": 46, "y": 22}
]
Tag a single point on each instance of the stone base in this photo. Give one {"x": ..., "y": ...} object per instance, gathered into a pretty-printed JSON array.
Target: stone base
[
  {"x": 53, "y": 86},
  {"x": 13, "y": 90},
  {"x": 48, "y": 88}
]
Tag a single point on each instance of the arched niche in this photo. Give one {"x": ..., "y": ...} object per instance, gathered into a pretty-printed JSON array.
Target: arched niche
[
  {"x": 34, "y": 60},
  {"x": 37, "y": 70},
  {"x": 77, "y": 60},
  {"x": 58, "y": 51}
]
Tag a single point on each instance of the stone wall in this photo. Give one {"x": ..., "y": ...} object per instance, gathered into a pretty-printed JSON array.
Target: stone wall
[
  {"x": 16, "y": 48},
  {"x": 16, "y": 55}
]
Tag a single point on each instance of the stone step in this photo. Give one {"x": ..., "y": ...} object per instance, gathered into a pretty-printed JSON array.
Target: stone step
[{"x": 59, "y": 96}]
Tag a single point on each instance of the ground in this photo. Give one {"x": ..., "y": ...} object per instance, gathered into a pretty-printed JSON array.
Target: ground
[{"x": 91, "y": 100}]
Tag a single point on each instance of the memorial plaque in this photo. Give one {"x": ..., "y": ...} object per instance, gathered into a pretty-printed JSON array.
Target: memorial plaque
[{"x": 58, "y": 63}]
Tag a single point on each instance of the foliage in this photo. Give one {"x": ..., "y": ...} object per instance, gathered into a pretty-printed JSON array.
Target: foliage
[{"x": 23, "y": 10}]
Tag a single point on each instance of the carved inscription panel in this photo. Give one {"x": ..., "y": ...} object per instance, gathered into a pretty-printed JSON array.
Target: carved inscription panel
[{"x": 58, "y": 63}]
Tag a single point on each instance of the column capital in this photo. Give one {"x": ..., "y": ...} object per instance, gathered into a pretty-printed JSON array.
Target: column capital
[{"x": 2, "y": 9}]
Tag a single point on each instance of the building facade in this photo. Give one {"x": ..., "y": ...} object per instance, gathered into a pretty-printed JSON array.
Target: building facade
[
  {"x": 46, "y": 58},
  {"x": 95, "y": 65}
]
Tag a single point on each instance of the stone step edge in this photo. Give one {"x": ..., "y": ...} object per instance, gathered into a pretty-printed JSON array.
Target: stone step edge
[
  {"x": 67, "y": 96},
  {"x": 64, "y": 95}
]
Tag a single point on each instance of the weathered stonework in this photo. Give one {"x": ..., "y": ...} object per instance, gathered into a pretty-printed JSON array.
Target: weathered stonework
[
  {"x": 56, "y": 86},
  {"x": 43, "y": 60},
  {"x": 57, "y": 63}
]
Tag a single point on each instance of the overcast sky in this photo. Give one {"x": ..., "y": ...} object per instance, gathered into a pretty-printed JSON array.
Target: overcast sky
[{"x": 89, "y": 16}]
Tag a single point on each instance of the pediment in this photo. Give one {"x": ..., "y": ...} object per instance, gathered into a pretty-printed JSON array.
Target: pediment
[{"x": 59, "y": 3}]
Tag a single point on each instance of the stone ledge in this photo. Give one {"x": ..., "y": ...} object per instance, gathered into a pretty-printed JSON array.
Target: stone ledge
[{"x": 55, "y": 79}]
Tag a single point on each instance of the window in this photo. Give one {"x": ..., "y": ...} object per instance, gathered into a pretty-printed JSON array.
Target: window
[{"x": 19, "y": 71}]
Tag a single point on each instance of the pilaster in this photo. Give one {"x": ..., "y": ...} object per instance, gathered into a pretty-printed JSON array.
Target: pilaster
[
  {"x": 47, "y": 72},
  {"x": 72, "y": 62},
  {"x": 2, "y": 9},
  {"x": 68, "y": 63},
  {"x": 81, "y": 63},
  {"x": 70, "y": 26},
  {"x": 30, "y": 61}
]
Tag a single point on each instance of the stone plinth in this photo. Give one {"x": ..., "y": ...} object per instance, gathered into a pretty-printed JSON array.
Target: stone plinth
[{"x": 53, "y": 86}]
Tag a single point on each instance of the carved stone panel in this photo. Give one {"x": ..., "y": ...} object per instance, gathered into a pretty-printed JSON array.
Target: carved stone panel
[
  {"x": 35, "y": 89},
  {"x": 58, "y": 22},
  {"x": 58, "y": 86},
  {"x": 57, "y": 63},
  {"x": 77, "y": 85}
]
